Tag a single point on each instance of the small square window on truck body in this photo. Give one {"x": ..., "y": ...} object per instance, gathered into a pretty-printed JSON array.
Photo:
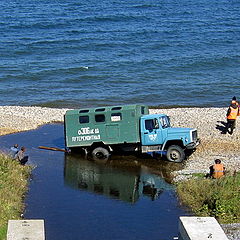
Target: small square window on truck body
[{"x": 84, "y": 119}]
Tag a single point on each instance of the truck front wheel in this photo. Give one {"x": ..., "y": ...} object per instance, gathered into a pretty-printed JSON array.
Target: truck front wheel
[
  {"x": 175, "y": 154},
  {"x": 100, "y": 153}
]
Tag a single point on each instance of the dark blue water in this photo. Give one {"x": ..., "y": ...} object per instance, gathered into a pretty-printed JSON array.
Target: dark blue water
[
  {"x": 89, "y": 53},
  {"x": 83, "y": 200}
]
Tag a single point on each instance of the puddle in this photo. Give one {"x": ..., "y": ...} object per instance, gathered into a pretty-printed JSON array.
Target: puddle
[{"x": 82, "y": 199}]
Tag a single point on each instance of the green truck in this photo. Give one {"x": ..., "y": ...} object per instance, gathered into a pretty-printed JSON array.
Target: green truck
[{"x": 128, "y": 128}]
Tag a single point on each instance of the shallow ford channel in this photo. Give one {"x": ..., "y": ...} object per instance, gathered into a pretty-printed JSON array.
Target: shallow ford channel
[{"x": 86, "y": 200}]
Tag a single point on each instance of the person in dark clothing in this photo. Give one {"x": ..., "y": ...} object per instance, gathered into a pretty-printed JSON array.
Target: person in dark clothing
[
  {"x": 20, "y": 156},
  {"x": 232, "y": 113}
]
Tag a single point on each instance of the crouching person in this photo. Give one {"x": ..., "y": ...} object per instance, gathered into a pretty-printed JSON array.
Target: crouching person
[
  {"x": 217, "y": 170},
  {"x": 14, "y": 150},
  {"x": 20, "y": 156}
]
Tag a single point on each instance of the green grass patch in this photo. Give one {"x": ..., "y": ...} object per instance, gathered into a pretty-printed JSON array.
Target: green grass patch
[
  {"x": 13, "y": 186},
  {"x": 3, "y": 232},
  {"x": 199, "y": 175},
  {"x": 217, "y": 198}
]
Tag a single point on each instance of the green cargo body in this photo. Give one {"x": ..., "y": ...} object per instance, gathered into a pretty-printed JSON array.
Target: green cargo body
[{"x": 109, "y": 125}]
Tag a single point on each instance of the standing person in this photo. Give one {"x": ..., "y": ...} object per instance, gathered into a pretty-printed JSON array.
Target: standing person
[
  {"x": 217, "y": 170},
  {"x": 14, "y": 150},
  {"x": 20, "y": 156},
  {"x": 232, "y": 113}
]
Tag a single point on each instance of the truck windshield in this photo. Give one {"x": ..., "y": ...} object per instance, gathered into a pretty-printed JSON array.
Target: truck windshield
[{"x": 165, "y": 122}]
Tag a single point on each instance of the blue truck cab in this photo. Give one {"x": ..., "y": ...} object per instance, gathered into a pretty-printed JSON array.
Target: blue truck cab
[{"x": 157, "y": 136}]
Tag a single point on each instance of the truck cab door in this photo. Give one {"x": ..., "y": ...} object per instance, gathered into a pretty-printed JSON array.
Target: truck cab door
[{"x": 151, "y": 131}]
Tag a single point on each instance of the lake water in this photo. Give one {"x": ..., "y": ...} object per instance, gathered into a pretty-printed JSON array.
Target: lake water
[
  {"x": 126, "y": 198},
  {"x": 91, "y": 53}
]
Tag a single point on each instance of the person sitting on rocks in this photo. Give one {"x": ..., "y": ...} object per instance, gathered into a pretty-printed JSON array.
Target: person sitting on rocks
[
  {"x": 217, "y": 170},
  {"x": 20, "y": 156},
  {"x": 14, "y": 150}
]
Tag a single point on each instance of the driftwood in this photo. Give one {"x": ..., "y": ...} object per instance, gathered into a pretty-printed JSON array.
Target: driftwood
[{"x": 53, "y": 148}]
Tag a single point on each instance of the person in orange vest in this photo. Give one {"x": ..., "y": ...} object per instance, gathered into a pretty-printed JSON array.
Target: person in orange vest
[
  {"x": 217, "y": 170},
  {"x": 232, "y": 113}
]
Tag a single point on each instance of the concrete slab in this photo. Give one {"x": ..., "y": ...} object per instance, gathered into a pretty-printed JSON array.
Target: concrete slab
[
  {"x": 200, "y": 228},
  {"x": 26, "y": 230}
]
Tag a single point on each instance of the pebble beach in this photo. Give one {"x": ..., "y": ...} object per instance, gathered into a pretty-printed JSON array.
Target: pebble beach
[{"x": 208, "y": 121}]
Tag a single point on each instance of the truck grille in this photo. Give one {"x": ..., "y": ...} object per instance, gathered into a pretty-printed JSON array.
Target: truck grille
[{"x": 194, "y": 135}]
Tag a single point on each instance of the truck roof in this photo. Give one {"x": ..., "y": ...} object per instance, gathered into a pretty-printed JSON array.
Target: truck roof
[
  {"x": 105, "y": 109},
  {"x": 154, "y": 115}
]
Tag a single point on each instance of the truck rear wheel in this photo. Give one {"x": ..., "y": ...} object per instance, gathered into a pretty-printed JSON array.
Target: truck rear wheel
[
  {"x": 175, "y": 154},
  {"x": 100, "y": 153}
]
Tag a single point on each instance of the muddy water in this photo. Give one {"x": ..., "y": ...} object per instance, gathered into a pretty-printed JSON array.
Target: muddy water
[{"x": 125, "y": 198}]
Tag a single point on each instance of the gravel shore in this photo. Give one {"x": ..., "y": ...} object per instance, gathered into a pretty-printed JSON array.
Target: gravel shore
[
  {"x": 208, "y": 121},
  {"x": 16, "y": 119}
]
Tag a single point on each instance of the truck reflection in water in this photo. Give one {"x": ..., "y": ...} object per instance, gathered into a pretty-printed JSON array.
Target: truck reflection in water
[{"x": 123, "y": 184}]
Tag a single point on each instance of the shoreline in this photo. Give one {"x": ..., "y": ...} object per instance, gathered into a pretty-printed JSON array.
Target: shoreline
[{"x": 208, "y": 122}]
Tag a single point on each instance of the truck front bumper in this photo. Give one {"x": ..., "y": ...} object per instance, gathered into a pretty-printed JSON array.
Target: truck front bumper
[{"x": 193, "y": 144}]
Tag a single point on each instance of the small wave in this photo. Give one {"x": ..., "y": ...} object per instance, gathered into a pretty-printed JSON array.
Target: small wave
[
  {"x": 215, "y": 61},
  {"x": 69, "y": 70},
  {"x": 58, "y": 104},
  {"x": 116, "y": 18},
  {"x": 145, "y": 6},
  {"x": 74, "y": 69}
]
